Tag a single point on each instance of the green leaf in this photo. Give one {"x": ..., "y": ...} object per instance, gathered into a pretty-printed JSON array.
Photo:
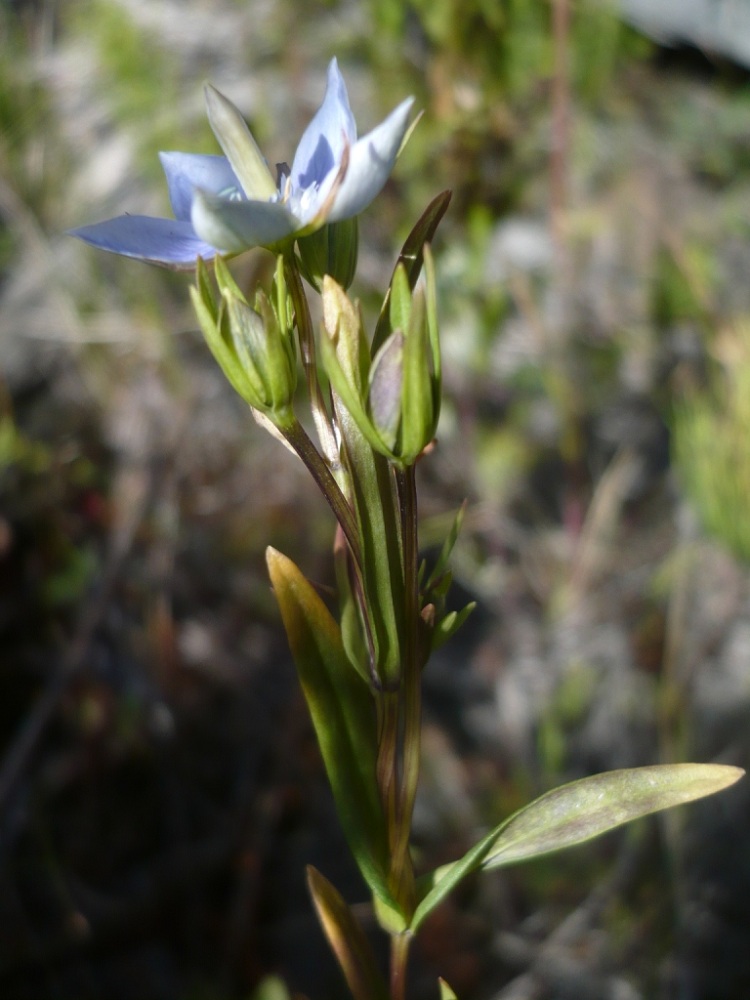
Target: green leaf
[
  {"x": 581, "y": 810},
  {"x": 411, "y": 257},
  {"x": 450, "y": 624},
  {"x": 343, "y": 715},
  {"x": 347, "y": 940},
  {"x": 577, "y": 812},
  {"x": 441, "y": 565}
]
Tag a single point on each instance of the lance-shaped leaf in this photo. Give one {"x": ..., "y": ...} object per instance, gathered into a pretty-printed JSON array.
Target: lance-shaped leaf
[
  {"x": 411, "y": 257},
  {"x": 342, "y": 712},
  {"x": 577, "y": 812},
  {"x": 347, "y": 939},
  {"x": 441, "y": 566},
  {"x": 446, "y": 992},
  {"x": 447, "y": 626}
]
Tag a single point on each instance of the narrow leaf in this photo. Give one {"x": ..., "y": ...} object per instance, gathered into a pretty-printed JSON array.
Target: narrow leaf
[
  {"x": 448, "y": 545},
  {"x": 347, "y": 939},
  {"x": 342, "y": 711},
  {"x": 411, "y": 257},
  {"x": 577, "y": 812},
  {"x": 446, "y": 992},
  {"x": 448, "y": 626}
]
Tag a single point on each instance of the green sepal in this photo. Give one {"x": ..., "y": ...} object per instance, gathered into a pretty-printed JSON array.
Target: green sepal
[
  {"x": 397, "y": 412},
  {"x": 418, "y": 414},
  {"x": 282, "y": 300},
  {"x": 254, "y": 351},
  {"x": 347, "y": 939},
  {"x": 213, "y": 322},
  {"x": 343, "y": 715},
  {"x": 225, "y": 278},
  {"x": 349, "y": 395},
  {"x": 575, "y": 813},
  {"x": 433, "y": 330},
  {"x": 411, "y": 257},
  {"x": 343, "y": 324},
  {"x": 400, "y": 299},
  {"x": 239, "y": 146}
]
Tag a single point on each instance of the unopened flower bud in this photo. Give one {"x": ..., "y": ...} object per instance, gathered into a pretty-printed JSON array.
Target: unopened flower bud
[
  {"x": 331, "y": 250},
  {"x": 395, "y": 398},
  {"x": 253, "y": 347},
  {"x": 404, "y": 396}
]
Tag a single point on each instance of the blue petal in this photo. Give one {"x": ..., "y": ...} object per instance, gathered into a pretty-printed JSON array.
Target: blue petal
[
  {"x": 234, "y": 226},
  {"x": 332, "y": 127},
  {"x": 370, "y": 162},
  {"x": 187, "y": 171},
  {"x": 159, "y": 241}
]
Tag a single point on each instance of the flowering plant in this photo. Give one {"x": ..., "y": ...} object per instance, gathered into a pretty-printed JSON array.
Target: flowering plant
[
  {"x": 231, "y": 203},
  {"x": 375, "y": 415}
]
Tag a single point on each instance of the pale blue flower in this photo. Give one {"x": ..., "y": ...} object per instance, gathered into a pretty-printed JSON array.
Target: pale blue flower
[{"x": 230, "y": 203}]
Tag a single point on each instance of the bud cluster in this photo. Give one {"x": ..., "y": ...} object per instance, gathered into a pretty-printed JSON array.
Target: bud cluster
[
  {"x": 254, "y": 345},
  {"x": 394, "y": 396}
]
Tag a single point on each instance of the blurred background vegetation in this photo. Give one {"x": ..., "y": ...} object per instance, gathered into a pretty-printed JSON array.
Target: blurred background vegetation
[{"x": 160, "y": 791}]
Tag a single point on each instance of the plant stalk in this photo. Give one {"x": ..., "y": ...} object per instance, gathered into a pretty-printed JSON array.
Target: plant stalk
[{"x": 400, "y": 944}]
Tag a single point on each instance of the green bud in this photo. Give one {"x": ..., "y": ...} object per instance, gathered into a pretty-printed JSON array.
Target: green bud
[
  {"x": 331, "y": 250},
  {"x": 252, "y": 346},
  {"x": 404, "y": 382},
  {"x": 344, "y": 327},
  {"x": 395, "y": 399}
]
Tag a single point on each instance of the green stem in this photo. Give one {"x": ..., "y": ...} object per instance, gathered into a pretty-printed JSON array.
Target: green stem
[
  {"x": 413, "y": 654},
  {"x": 411, "y": 677}
]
